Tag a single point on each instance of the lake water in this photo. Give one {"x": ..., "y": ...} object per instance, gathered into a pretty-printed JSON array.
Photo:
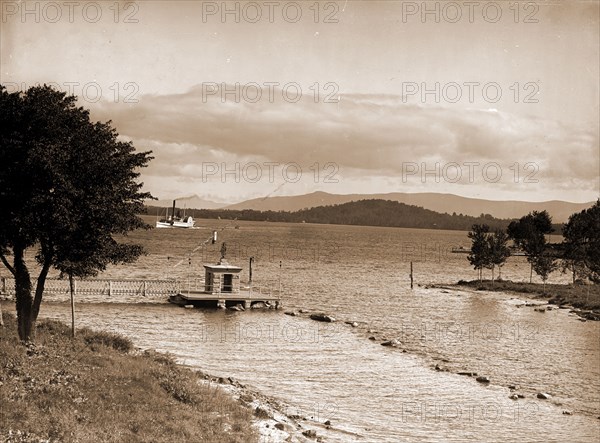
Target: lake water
[{"x": 333, "y": 371}]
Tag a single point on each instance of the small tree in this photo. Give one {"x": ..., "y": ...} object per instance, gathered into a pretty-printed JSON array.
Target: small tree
[
  {"x": 543, "y": 265},
  {"x": 497, "y": 249},
  {"x": 67, "y": 186},
  {"x": 480, "y": 253}
]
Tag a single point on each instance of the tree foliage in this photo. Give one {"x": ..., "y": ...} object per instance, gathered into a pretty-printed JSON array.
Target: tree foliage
[
  {"x": 497, "y": 250},
  {"x": 479, "y": 256},
  {"x": 543, "y": 264},
  {"x": 529, "y": 233},
  {"x": 581, "y": 244},
  {"x": 67, "y": 185},
  {"x": 488, "y": 250}
]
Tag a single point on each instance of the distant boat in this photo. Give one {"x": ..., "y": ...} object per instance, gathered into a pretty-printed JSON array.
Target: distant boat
[
  {"x": 175, "y": 222},
  {"x": 516, "y": 251},
  {"x": 460, "y": 250}
]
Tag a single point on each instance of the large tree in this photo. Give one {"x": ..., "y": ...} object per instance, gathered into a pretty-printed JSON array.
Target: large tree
[
  {"x": 67, "y": 187},
  {"x": 529, "y": 233},
  {"x": 581, "y": 244}
]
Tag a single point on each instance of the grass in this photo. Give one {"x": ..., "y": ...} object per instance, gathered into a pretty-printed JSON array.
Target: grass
[
  {"x": 578, "y": 296},
  {"x": 96, "y": 388}
]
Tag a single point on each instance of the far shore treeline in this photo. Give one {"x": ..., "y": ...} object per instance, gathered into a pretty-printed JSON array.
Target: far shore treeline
[{"x": 375, "y": 212}]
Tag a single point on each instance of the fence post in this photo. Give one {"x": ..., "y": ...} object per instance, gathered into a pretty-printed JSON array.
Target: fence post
[
  {"x": 110, "y": 288},
  {"x": 73, "y": 291},
  {"x": 144, "y": 293}
]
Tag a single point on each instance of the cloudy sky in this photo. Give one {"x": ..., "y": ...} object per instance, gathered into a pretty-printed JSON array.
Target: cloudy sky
[{"x": 240, "y": 100}]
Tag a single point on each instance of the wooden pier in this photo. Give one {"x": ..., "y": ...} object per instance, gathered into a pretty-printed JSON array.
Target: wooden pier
[
  {"x": 222, "y": 290},
  {"x": 245, "y": 298}
]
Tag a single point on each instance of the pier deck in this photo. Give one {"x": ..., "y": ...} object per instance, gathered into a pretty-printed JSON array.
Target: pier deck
[{"x": 223, "y": 300}]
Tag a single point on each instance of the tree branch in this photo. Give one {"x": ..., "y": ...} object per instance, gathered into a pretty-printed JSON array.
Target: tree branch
[{"x": 7, "y": 264}]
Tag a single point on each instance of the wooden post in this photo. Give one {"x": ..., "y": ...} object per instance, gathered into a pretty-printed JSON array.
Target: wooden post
[
  {"x": 250, "y": 270},
  {"x": 411, "y": 275},
  {"x": 144, "y": 294},
  {"x": 110, "y": 288},
  {"x": 73, "y": 287}
]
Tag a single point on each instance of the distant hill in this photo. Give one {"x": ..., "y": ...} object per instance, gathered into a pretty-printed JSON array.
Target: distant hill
[
  {"x": 190, "y": 202},
  {"x": 443, "y": 203},
  {"x": 364, "y": 213}
]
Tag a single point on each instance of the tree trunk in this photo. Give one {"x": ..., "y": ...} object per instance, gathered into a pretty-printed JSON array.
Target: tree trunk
[
  {"x": 39, "y": 289},
  {"x": 492, "y": 276},
  {"x": 24, "y": 300},
  {"x": 530, "y": 272}
]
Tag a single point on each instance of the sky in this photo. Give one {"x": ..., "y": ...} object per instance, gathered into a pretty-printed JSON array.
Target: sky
[{"x": 239, "y": 100}]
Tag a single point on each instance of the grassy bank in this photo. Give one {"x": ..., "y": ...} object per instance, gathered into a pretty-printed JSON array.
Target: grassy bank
[
  {"x": 97, "y": 388},
  {"x": 578, "y": 296}
]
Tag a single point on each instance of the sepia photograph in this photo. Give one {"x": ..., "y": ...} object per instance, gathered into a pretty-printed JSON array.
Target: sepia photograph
[{"x": 345, "y": 221}]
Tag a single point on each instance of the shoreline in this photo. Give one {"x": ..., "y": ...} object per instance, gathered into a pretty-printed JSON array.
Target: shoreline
[
  {"x": 270, "y": 420},
  {"x": 268, "y": 417},
  {"x": 99, "y": 387},
  {"x": 583, "y": 300},
  {"x": 249, "y": 415}
]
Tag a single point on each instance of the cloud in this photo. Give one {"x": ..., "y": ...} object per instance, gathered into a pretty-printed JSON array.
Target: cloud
[{"x": 365, "y": 135}]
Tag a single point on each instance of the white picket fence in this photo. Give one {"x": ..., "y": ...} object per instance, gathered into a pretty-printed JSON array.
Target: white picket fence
[{"x": 105, "y": 287}]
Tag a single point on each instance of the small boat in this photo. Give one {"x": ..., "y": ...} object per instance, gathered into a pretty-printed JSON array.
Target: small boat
[
  {"x": 174, "y": 221},
  {"x": 460, "y": 250},
  {"x": 516, "y": 251}
]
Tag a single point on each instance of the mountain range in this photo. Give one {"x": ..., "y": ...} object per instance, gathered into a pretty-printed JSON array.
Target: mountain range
[
  {"x": 190, "y": 202},
  {"x": 443, "y": 203}
]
